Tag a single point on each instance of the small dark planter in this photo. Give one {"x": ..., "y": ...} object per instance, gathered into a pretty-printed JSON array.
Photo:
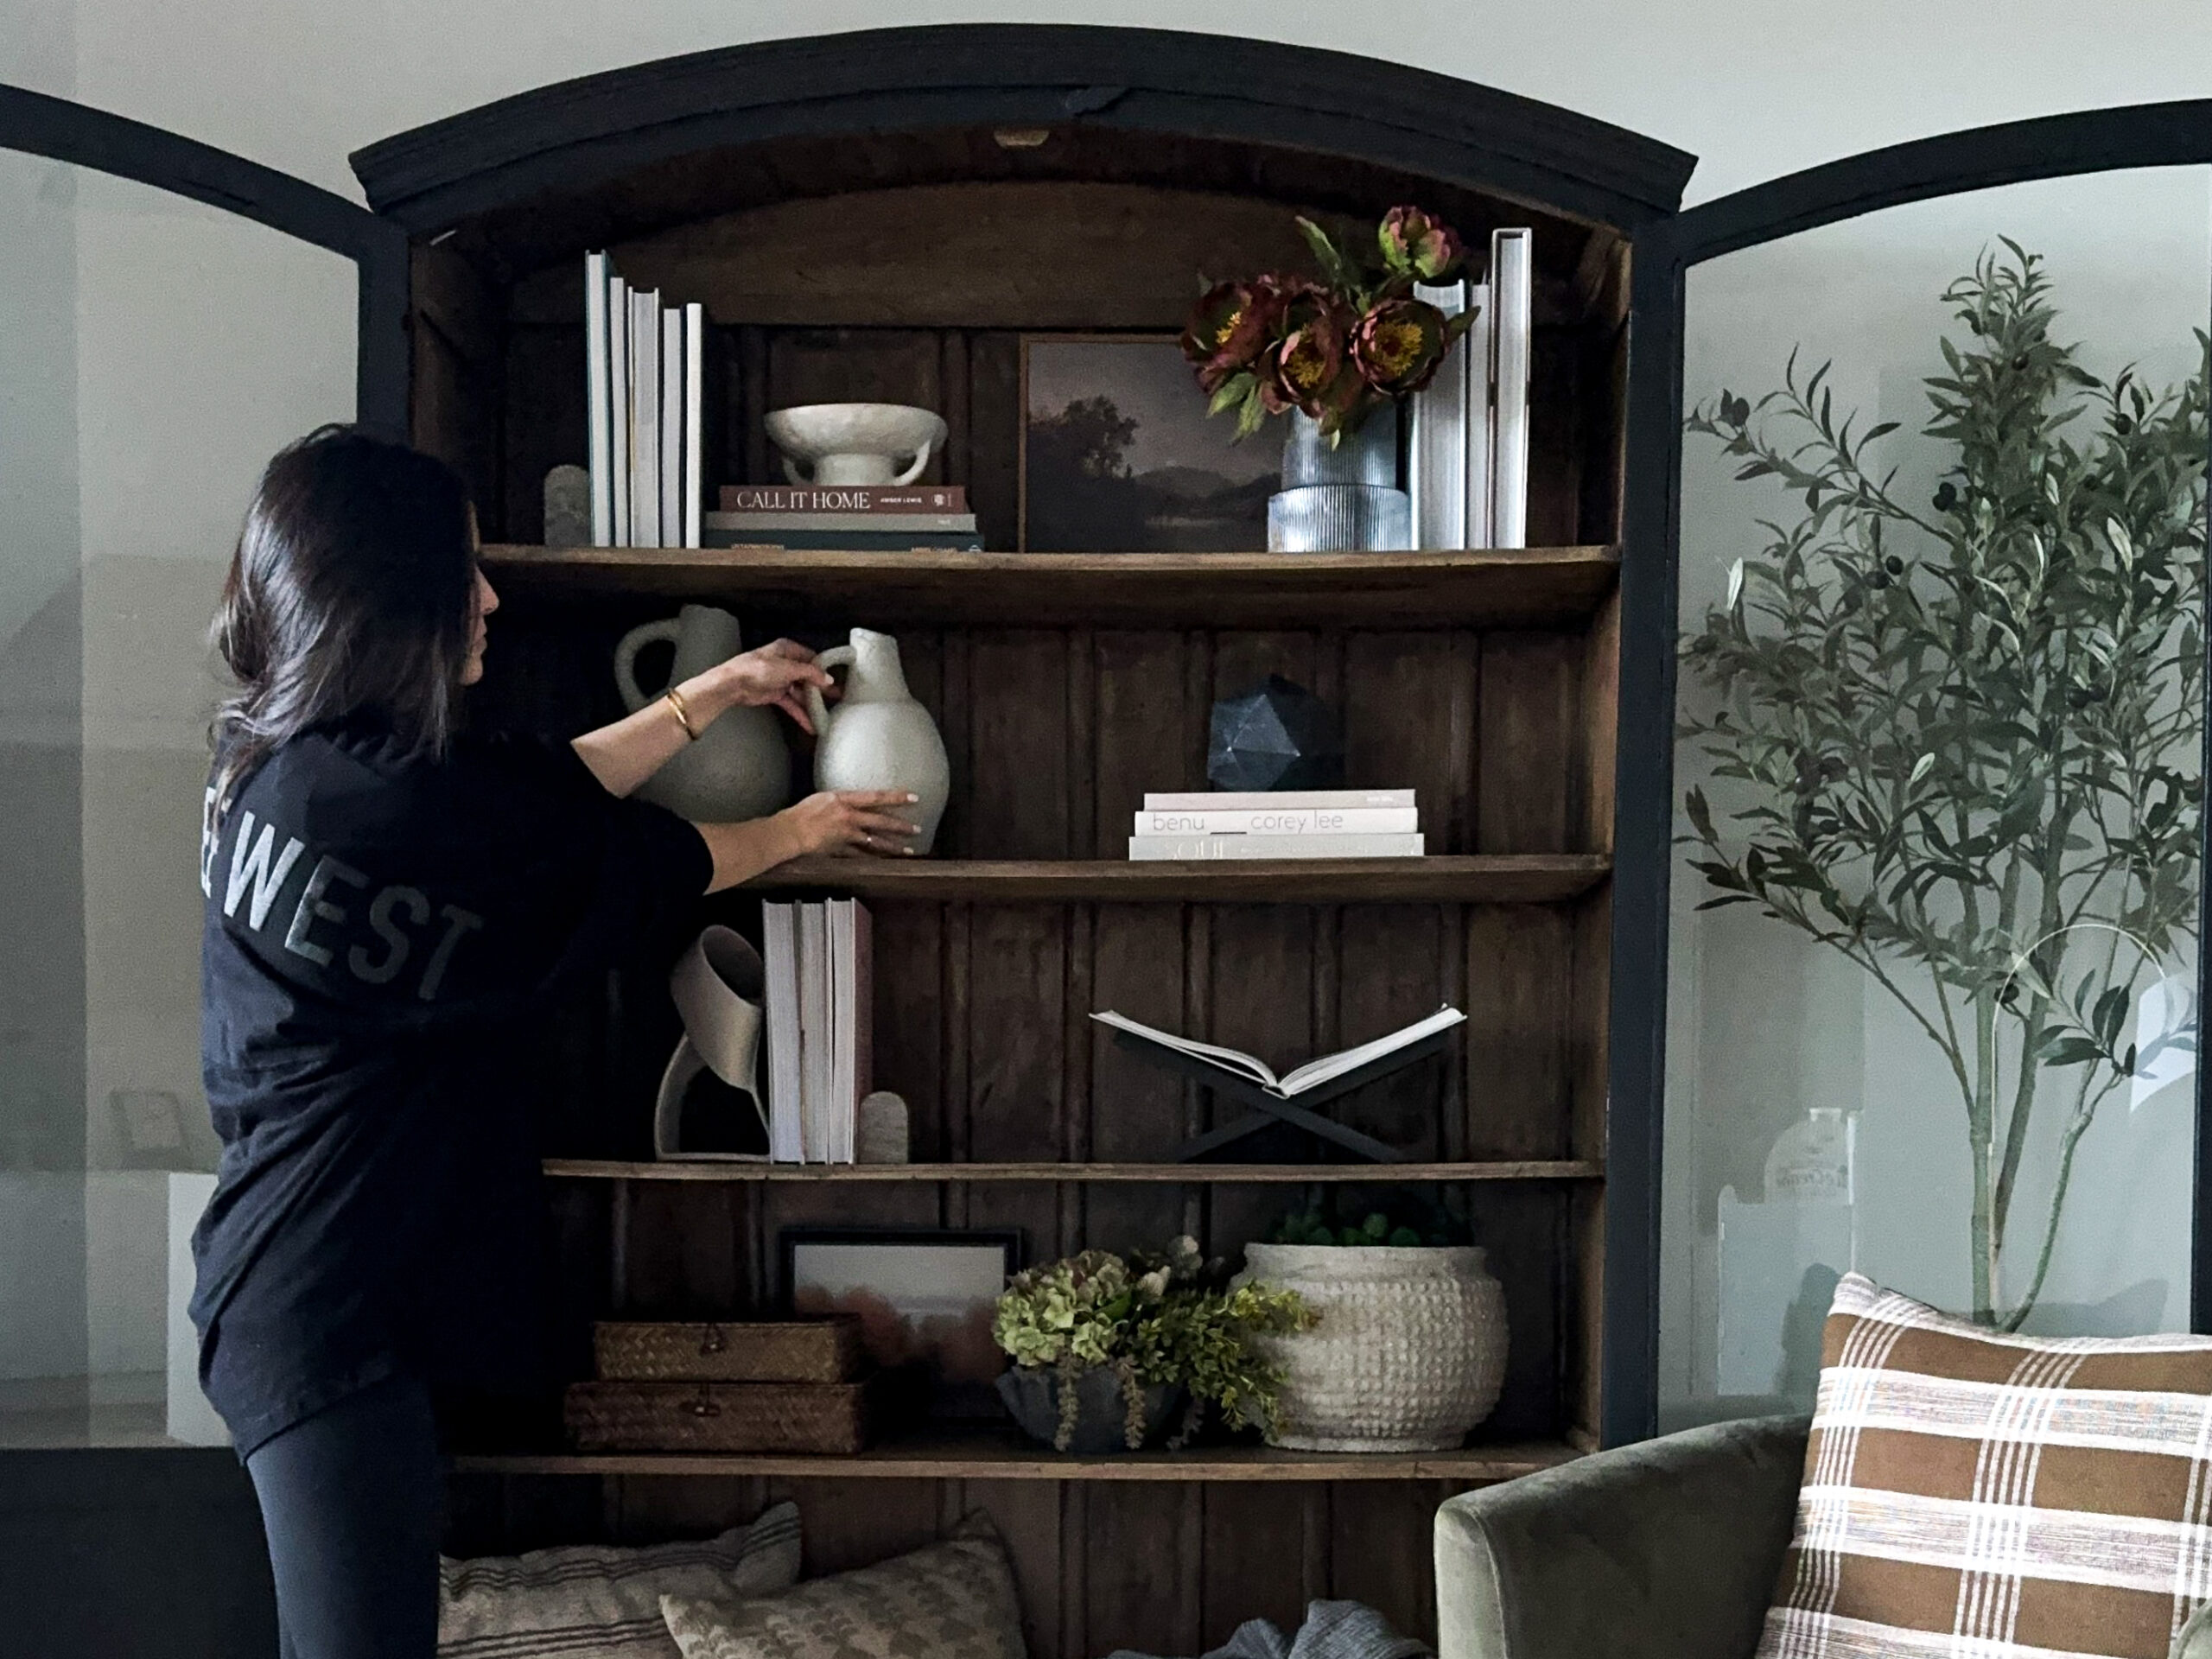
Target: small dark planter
[{"x": 1034, "y": 1397}]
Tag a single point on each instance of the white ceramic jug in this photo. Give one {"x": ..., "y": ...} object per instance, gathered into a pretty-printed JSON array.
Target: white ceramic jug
[
  {"x": 879, "y": 737},
  {"x": 738, "y": 767}
]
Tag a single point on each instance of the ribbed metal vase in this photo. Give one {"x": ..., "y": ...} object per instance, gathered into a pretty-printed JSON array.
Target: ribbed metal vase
[{"x": 1345, "y": 500}]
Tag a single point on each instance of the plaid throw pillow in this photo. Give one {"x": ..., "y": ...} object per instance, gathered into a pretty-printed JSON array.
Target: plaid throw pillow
[{"x": 2010, "y": 1497}]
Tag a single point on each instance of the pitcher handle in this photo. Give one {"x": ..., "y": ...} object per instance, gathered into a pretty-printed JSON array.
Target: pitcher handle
[
  {"x": 816, "y": 710},
  {"x": 793, "y": 473},
  {"x": 635, "y": 697},
  {"x": 920, "y": 463}
]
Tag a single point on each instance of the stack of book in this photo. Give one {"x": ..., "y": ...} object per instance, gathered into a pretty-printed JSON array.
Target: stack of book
[
  {"x": 644, "y": 367},
  {"x": 821, "y": 1027},
  {"x": 854, "y": 517},
  {"x": 1467, "y": 437},
  {"x": 1286, "y": 823}
]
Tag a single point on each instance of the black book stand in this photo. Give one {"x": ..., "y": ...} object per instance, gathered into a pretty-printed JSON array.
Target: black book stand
[{"x": 1268, "y": 1108}]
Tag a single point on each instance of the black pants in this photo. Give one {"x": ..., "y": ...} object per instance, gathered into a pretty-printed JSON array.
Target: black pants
[{"x": 351, "y": 1500}]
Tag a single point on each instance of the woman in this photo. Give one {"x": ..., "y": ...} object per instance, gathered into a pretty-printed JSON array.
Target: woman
[{"x": 393, "y": 910}]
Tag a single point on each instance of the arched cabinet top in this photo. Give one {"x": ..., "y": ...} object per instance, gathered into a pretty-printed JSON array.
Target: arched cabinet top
[{"x": 571, "y": 138}]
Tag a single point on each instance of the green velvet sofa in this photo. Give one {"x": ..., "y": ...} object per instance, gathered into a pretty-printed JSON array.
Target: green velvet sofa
[{"x": 1667, "y": 1549}]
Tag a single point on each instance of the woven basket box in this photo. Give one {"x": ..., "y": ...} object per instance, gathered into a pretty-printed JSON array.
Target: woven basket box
[
  {"x": 828, "y": 1418},
  {"x": 780, "y": 1350}
]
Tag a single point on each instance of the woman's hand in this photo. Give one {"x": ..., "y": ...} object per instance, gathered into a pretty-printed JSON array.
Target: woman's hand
[
  {"x": 851, "y": 820},
  {"x": 769, "y": 678}
]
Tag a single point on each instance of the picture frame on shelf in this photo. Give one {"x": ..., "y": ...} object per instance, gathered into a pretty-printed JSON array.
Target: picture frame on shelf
[
  {"x": 925, "y": 1298},
  {"x": 1118, "y": 454}
]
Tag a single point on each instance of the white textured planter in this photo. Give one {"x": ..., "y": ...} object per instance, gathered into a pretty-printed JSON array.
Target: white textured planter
[{"x": 1409, "y": 1353}]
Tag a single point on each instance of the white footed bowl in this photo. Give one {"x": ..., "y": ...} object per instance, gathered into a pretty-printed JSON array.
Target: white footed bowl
[{"x": 855, "y": 443}]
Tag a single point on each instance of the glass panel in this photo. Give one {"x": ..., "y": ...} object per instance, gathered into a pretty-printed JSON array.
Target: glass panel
[
  {"x": 1933, "y": 954},
  {"x": 153, "y": 354}
]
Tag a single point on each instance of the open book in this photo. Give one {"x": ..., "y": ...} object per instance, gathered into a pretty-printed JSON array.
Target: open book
[{"x": 1310, "y": 1074}]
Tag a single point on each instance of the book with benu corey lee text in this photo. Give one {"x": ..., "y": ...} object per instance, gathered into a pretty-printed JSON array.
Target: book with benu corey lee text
[
  {"x": 1143, "y": 848},
  {"x": 1299, "y": 1079},
  {"x": 1279, "y": 821}
]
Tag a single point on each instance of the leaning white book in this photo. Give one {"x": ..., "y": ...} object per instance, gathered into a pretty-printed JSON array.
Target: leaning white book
[
  {"x": 1481, "y": 346},
  {"x": 672, "y": 428},
  {"x": 1281, "y": 821},
  {"x": 1436, "y": 435},
  {"x": 599, "y": 404},
  {"x": 1222, "y": 800},
  {"x": 622, "y": 424},
  {"x": 1511, "y": 280},
  {"x": 816, "y": 1038},
  {"x": 645, "y": 419},
  {"x": 1147, "y": 848},
  {"x": 695, "y": 378}
]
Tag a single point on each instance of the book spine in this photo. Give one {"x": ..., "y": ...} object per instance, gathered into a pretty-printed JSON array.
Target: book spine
[
  {"x": 645, "y": 419},
  {"x": 599, "y": 411},
  {"x": 780, "y": 941},
  {"x": 622, "y": 424},
  {"x": 1145, "y": 848},
  {"x": 1310, "y": 821},
  {"x": 695, "y": 404},
  {"x": 874, "y": 524},
  {"x": 847, "y": 541},
  {"x": 1286, "y": 800},
  {"x": 1436, "y": 437},
  {"x": 672, "y": 427},
  {"x": 1510, "y": 293},
  {"x": 1482, "y": 411},
  {"x": 853, "y": 498}
]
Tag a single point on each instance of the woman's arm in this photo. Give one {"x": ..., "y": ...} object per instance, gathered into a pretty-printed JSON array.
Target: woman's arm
[
  {"x": 625, "y": 754},
  {"x": 834, "y": 821}
]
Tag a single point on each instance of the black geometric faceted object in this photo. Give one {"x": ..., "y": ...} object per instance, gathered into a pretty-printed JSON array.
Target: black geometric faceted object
[{"x": 1276, "y": 736}]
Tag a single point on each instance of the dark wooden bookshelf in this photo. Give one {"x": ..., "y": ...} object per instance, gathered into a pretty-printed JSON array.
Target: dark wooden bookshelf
[
  {"x": 989, "y": 1453},
  {"x": 1489, "y": 879},
  {"x": 1538, "y": 587},
  {"x": 1194, "y": 1175}
]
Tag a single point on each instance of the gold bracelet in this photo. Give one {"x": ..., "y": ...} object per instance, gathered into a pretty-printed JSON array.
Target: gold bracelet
[{"x": 674, "y": 698}]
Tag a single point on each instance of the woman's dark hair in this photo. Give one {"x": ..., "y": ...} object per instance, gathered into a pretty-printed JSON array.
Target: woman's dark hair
[{"x": 350, "y": 592}]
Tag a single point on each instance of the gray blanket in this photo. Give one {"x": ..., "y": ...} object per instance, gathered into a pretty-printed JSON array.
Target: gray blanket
[{"x": 1332, "y": 1630}]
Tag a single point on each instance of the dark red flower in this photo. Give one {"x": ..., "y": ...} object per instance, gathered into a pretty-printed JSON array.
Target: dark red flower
[
  {"x": 1413, "y": 244},
  {"x": 1303, "y": 369},
  {"x": 1229, "y": 327},
  {"x": 1398, "y": 345}
]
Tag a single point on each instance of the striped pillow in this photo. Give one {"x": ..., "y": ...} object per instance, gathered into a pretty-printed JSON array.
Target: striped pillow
[
  {"x": 2012, "y": 1497},
  {"x": 594, "y": 1601}
]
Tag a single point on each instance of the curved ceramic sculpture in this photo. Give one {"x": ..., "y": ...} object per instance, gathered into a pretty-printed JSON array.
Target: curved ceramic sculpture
[
  {"x": 879, "y": 737},
  {"x": 855, "y": 443}
]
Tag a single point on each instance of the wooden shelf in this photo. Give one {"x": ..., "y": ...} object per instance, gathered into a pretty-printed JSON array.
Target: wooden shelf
[
  {"x": 1177, "y": 1174},
  {"x": 1488, "y": 587},
  {"x": 994, "y": 1453},
  {"x": 1481, "y": 877}
]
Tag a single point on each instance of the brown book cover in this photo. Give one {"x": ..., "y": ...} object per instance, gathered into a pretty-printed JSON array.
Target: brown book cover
[{"x": 844, "y": 497}]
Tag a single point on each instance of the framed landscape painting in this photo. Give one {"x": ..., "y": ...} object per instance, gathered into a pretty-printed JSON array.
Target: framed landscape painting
[{"x": 1118, "y": 454}]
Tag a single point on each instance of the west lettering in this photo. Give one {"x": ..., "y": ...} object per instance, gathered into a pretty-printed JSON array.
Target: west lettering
[
  {"x": 396, "y": 944},
  {"x": 458, "y": 922},
  {"x": 253, "y": 866},
  {"x": 314, "y": 907}
]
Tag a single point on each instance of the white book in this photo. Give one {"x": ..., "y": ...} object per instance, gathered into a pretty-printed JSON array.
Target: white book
[
  {"x": 599, "y": 404},
  {"x": 695, "y": 381},
  {"x": 1436, "y": 435},
  {"x": 1482, "y": 413},
  {"x": 1280, "y": 821},
  {"x": 622, "y": 431},
  {"x": 779, "y": 937},
  {"x": 1226, "y": 800},
  {"x": 645, "y": 419},
  {"x": 852, "y": 1020},
  {"x": 1145, "y": 848},
  {"x": 1511, "y": 284},
  {"x": 672, "y": 428},
  {"x": 1296, "y": 1082},
  {"x": 814, "y": 1037}
]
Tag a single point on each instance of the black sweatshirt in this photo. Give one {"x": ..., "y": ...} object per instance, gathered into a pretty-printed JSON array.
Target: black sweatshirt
[{"x": 386, "y": 940}]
